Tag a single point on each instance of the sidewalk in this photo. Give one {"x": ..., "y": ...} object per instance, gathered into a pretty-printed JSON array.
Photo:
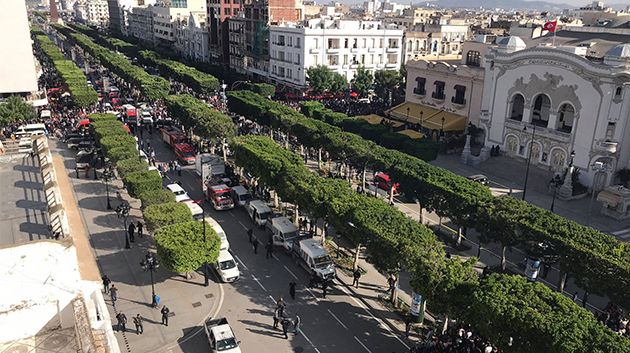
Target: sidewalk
[{"x": 189, "y": 301}]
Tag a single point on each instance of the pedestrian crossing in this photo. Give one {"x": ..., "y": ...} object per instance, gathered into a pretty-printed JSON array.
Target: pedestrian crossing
[{"x": 622, "y": 234}]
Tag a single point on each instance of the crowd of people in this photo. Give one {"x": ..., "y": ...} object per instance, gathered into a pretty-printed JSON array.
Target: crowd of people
[
  {"x": 456, "y": 340},
  {"x": 615, "y": 319}
]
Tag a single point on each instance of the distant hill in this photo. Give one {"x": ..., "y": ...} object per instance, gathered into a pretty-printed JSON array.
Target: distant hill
[{"x": 503, "y": 4}]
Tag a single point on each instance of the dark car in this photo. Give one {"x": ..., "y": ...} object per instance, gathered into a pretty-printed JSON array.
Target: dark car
[
  {"x": 86, "y": 145},
  {"x": 85, "y": 160},
  {"x": 479, "y": 178}
]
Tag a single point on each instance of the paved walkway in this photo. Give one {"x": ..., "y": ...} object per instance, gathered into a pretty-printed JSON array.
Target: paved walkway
[{"x": 189, "y": 301}]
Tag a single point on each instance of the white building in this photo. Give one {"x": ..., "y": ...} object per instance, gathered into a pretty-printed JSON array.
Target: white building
[
  {"x": 552, "y": 101},
  {"x": 97, "y": 12},
  {"x": 191, "y": 37},
  {"x": 17, "y": 67},
  {"x": 342, "y": 45},
  {"x": 165, "y": 16},
  {"x": 141, "y": 24}
]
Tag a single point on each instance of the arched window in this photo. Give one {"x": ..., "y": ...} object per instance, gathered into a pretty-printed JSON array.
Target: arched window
[
  {"x": 540, "y": 111},
  {"x": 618, "y": 92},
  {"x": 566, "y": 116},
  {"x": 409, "y": 46},
  {"x": 517, "y": 106},
  {"x": 473, "y": 58}
]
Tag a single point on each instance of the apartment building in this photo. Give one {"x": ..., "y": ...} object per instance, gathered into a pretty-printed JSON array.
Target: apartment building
[
  {"x": 236, "y": 43},
  {"x": 342, "y": 45},
  {"x": 141, "y": 24},
  {"x": 219, "y": 11},
  {"x": 191, "y": 37},
  {"x": 166, "y": 15},
  {"x": 97, "y": 12}
]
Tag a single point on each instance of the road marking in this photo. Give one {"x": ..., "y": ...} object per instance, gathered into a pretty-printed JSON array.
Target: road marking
[
  {"x": 273, "y": 300},
  {"x": 238, "y": 220},
  {"x": 286, "y": 268},
  {"x": 362, "y": 345},
  {"x": 379, "y": 321},
  {"x": 309, "y": 341},
  {"x": 313, "y": 294},
  {"x": 622, "y": 234},
  {"x": 336, "y": 318},
  {"x": 240, "y": 261},
  {"x": 260, "y": 284}
]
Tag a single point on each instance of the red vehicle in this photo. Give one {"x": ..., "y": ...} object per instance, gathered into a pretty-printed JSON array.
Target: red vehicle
[
  {"x": 172, "y": 136},
  {"x": 220, "y": 196},
  {"x": 384, "y": 182},
  {"x": 185, "y": 153}
]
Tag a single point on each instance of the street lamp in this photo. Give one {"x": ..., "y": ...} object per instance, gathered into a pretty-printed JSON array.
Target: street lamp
[
  {"x": 203, "y": 215},
  {"x": 151, "y": 263},
  {"x": 107, "y": 176},
  {"x": 421, "y": 114},
  {"x": 408, "y": 114},
  {"x": 223, "y": 87},
  {"x": 599, "y": 168},
  {"x": 529, "y": 159},
  {"x": 555, "y": 183},
  {"x": 123, "y": 210}
]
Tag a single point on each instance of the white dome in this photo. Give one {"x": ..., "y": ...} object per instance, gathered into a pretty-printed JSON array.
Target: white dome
[{"x": 511, "y": 44}]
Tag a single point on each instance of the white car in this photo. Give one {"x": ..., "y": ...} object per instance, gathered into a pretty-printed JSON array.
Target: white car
[
  {"x": 180, "y": 193},
  {"x": 146, "y": 117},
  {"x": 226, "y": 267}
]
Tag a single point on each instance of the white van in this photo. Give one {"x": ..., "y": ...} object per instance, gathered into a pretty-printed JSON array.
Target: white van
[
  {"x": 226, "y": 267},
  {"x": 195, "y": 209},
  {"x": 259, "y": 212},
  {"x": 283, "y": 232},
  {"x": 31, "y": 130},
  {"x": 180, "y": 193},
  {"x": 241, "y": 195},
  {"x": 225, "y": 244},
  {"x": 314, "y": 258}
]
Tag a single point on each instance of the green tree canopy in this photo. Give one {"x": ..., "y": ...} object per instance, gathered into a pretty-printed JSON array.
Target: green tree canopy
[
  {"x": 319, "y": 78},
  {"x": 386, "y": 81},
  {"x": 338, "y": 83},
  {"x": 164, "y": 214},
  {"x": 15, "y": 109},
  {"x": 362, "y": 81},
  {"x": 182, "y": 248}
]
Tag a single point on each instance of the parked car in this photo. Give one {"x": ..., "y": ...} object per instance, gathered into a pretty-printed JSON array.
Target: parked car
[
  {"x": 226, "y": 267},
  {"x": 180, "y": 193}
]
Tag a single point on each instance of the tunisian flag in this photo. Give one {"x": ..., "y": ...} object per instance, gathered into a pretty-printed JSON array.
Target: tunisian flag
[{"x": 550, "y": 26}]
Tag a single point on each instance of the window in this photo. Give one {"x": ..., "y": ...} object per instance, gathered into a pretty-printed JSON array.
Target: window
[
  {"x": 297, "y": 59},
  {"x": 362, "y": 59},
  {"x": 460, "y": 95},
  {"x": 439, "y": 90},
  {"x": 618, "y": 92},
  {"x": 610, "y": 131},
  {"x": 297, "y": 42},
  {"x": 566, "y": 115},
  {"x": 409, "y": 46},
  {"x": 518, "y": 104},
  {"x": 345, "y": 59},
  {"x": 289, "y": 73},
  {"x": 473, "y": 58},
  {"x": 226, "y": 1},
  {"x": 345, "y": 43},
  {"x": 364, "y": 42},
  {"x": 354, "y": 43},
  {"x": 316, "y": 41},
  {"x": 227, "y": 11},
  {"x": 315, "y": 60},
  {"x": 540, "y": 111},
  {"x": 420, "y": 83}
]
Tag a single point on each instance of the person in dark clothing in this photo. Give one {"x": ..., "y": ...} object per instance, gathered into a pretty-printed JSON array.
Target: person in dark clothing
[
  {"x": 255, "y": 244},
  {"x": 292, "y": 289},
  {"x": 106, "y": 283},
  {"x": 165, "y": 311},
  {"x": 269, "y": 250},
  {"x": 324, "y": 288},
  {"x": 137, "y": 320},
  {"x": 250, "y": 233},
  {"x": 139, "y": 227},
  {"x": 356, "y": 275},
  {"x": 280, "y": 307},
  {"x": 276, "y": 317},
  {"x": 131, "y": 230},
  {"x": 285, "y": 327},
  {"x": 584, "y": 299},
  {"x": 122, "y": 321}
]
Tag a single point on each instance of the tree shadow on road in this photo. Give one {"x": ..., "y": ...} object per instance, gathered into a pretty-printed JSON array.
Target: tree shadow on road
[{"x": 23, "y": 184}]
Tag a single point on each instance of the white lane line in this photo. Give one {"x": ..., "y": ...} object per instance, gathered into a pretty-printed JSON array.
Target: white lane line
[
  {"x": 240, "y": 261},
  {"x": 309, "y": 341},
  {"x": 273, "y": 300},
  {"x": 336, "y": 318},
  {"x": 286, "y": 268},
  {"x": 238, "y": 220},
  {"x": 260, "y": 284},
  {"x": 362, "y": 345},
  {"x": 313, "y": 294},
  {"x": 379, "y": 321}
]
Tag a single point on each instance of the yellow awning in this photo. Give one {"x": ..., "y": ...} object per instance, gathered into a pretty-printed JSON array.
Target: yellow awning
[
  {"x": 412, "y": 133},
  {"x": 428, "y": 117}
]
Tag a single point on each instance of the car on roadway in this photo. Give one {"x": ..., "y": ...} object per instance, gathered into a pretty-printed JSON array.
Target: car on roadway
[
  {"x": 259, "y": 212},
  {"x": 180, "y": 194},
  {"x": 226, "y": 267},
  {"x": 479, "y": 178},
  {"x": 221, "y": 337},
  {"x": 225, "y": 244}
]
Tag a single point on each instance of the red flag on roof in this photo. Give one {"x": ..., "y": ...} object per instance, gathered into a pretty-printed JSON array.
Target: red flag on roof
[{"x": 550, "y": 26}]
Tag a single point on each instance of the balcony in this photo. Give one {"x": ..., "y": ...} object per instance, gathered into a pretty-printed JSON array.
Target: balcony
[
  {"x": 372, "y": 50},
  {"x": 314, "y": 51},
  {"x": 606, "y": 146},
  {"x": 392, "y": 49},
  {"x": 390, "y": 65},
  {"x": 458, "y": 102},
  {"x": 333, "y": 50},
  {"x": 420, "y": 91}
]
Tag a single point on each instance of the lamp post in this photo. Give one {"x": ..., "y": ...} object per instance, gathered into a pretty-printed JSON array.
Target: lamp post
[
  {"x": 107, "y": 175},
  {"x": 123, "y": 211},
  {"x": 555, "y": 182},
  {"x": 441, "y": 134},
  {"x": 408, "y": 114},
  {"x": 599, "y": 168},
  {"x": 203, "y": 215},
  {"x": 151, "y": 263},
  {"x": 529, "y": 159},
  {"x": 421, "y": 114}
]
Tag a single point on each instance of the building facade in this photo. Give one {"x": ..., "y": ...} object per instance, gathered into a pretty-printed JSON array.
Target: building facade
[
  {"x": 166, "y": 15},
  {"x": 236, "y": 40},
  {"x": 341, "y": 45},
  {"x": 547, "y": 102},
  {"x": 191, "y": 37},
  {"x": 97, "y": 12},
  {"x": 141, "y": 24},
  {"x": 219, "y": 11}
]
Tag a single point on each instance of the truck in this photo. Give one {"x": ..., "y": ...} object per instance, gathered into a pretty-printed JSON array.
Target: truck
[
  {"x": 311, "y": 255},
  {"x": 211, "y": 164},
  {"x": 172, "y": 136},
  {"x": 131, "y": 114},
  {"x": 185, "y": 153},
  {"x": 220, "y": 196},
  {"x": 221, "y": 337},
  {"x": 283, "y": 232}
]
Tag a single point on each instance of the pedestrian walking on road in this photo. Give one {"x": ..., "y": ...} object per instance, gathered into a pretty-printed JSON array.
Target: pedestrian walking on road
[
  {"x": 255, "y": 244},
  {"x": 324, "y": 288},
  {"x": 250, "y": 234},
  {"x": 575, "y": 296},
  {"x": 356, "y": 276},
  {"x": 113, "y": 292},
  {"x": 280, "y": 305},
  {"x": 137, "y": 320},
  {"x": 269, "y": 249},
  {"x": 122, "y": 321},
  {"x": 584, "y": 299},
  {"x": 391, "y": 282},
  {"x": 292, "y": 289},
  {"x": 139, "y": 227},
  {"x": 276, "y": 317},
  {"x": 296, "y": 325},
  {"x": 285, "y": 327},
  {"x": 131, "y": 230},
  {"x": 178, "y": 168},
  {"x": 106, "y": 283},
  {"x": 165, "y": 311}
]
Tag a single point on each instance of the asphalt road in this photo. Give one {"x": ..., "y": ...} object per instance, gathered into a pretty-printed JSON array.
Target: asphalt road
[{"x": 338, "y": 323}]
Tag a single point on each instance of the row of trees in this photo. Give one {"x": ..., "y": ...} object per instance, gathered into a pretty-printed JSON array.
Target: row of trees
[
  {"x": 321, "y": 79},
  {"x": 179, "y": 239},
  {"x": 599, "y": 262},
  {"x": 151, "y": 87},
  {"x": 83, "y": 95},
  {"x": 499, "y": 306},
  {"x": 15, "y": 109},
  {"x": 191, "y": 77}
]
